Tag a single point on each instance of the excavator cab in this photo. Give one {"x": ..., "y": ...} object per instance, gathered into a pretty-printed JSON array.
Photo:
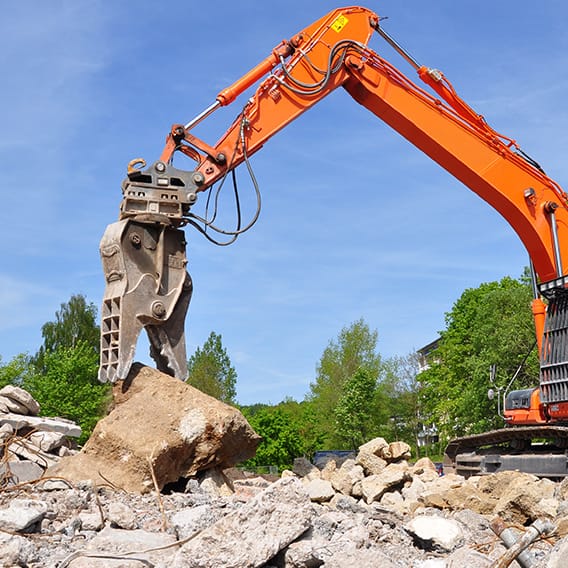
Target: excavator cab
[{"x": 524, "y": 407}]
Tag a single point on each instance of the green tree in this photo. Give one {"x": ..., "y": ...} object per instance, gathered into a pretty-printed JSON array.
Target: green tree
[
  {"x": 63, "y": 374},
  {"x": 75, "y": 321},
  {"x": 15, "y": 371},
  {"x": 490, "y": 324},
  {"x": 353, "y": 411},
  {"x": 210, "y": 370},
  {"x": 67, "y": 386},
  {"x": 401, "y": 391},
  {"x": 288, "y": 431},
  {"x": 354, "y": 349}
]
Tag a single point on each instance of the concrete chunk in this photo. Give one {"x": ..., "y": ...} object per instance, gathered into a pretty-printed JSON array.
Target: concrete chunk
[
  {"x": 22, "y": 397},
  {"x": 262, "y": 526},
  {"x": 431, "y": 532},
  {"x": 162, "y": 428},
  {"x": 20, "y": 514},
  {"x": 17, "y": 421}
]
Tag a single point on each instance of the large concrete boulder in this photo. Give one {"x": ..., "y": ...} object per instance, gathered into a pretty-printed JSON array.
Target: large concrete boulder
[{"x": 160, "y": 428}]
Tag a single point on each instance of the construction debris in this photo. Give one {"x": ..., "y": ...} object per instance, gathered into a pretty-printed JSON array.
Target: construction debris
[
  {"x": 233, "y": 519},
  {"x": 29, "y": 444}
]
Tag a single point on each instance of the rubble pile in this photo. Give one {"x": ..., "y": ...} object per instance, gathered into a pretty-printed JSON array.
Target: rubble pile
[
  {"x": 29, "y": 444},
  {"x": 374, "y": 510},
  {"x": 381, "y": 473}
]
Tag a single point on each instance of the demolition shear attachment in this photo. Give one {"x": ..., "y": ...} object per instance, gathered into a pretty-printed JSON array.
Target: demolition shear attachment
[{"x": 147, "y": 286}]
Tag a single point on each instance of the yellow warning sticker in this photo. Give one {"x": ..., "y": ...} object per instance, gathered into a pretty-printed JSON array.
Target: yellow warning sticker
[{"x": 339, "y": 23}]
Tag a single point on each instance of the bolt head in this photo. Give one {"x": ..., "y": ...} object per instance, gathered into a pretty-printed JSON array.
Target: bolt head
[
  {"x": 198, "y": 178},
  {"x": 158, "y": 309}
]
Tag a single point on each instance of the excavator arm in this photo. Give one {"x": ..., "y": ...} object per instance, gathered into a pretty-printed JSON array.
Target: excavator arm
[{"x": 333, "y": 52}]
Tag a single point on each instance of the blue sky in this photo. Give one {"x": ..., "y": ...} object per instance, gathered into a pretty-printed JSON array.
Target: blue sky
[{"x": 355, "y": 223}]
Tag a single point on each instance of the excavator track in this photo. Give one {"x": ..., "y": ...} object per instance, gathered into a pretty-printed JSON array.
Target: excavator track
[{"x": 540, "y": 450}]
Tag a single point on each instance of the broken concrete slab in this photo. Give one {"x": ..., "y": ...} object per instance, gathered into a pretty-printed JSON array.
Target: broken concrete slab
[
  {"x": 47, "y": 441},
  {"x": 24, "y": 449},
  {"x": 16, "y": 472},
  {"x": 160, "y": 429},
  {"x": 22, "y": 397},
  {"x": 20, "y": 514},
  {"x": 125, "y": 549},
  {"x": 18, "y": 422},
  {"x": 262, "y": 526},
  {"x": 399, "y": 451}
]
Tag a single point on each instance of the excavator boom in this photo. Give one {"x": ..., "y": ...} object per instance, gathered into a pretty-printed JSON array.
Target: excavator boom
[{"x": 144, "y": 253}]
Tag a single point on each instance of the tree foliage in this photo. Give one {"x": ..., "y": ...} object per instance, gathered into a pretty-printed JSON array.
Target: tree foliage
[
  {"x": 400, "y": 391},
  {"x": 288, "y": 430},
  {"x": 354, "y": 410},
  {"x": 15, "y": 371},
  {"x": 354, "y": 349},
  {"x": 63, "y": 374},
  {"x": 67, "y": 386},
  {"x": 490, "y": 324},
  {"x": 210, "y": 370},
  {"x": 75, "y": 321}
]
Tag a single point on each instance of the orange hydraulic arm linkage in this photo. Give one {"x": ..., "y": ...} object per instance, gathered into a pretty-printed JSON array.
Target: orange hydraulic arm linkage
[{"x": 334, "y": 52}]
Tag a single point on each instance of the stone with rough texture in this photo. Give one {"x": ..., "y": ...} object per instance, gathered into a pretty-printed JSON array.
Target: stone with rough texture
[
  {"x": 399, "y": 451},
  {"x": 320, "y": 490},
  {"x": 159, "y": 426},
  {"x": 562, "y": 490},
  {"x": 346, "y": 476},
  {"x": 262, "y": 527},
  {"x": 303, "y": 554},
  {"x": 351, "y": 557},
  {"x": 117, "y": 542},
  {"x": 372, "y": 464},
  {"x": 20, "y": 514},
  {"x": 376, "y": 446},
  {"x": 393, "y": 501},
  {"x": 414, "y": 490},
  {"x": 23, "y": 448},
  {"x": 328, "y": 470},
  {"x": 245, "y": 489},
  {"x": 465, "y": 496},
  {"x": 15, "y": 550},
  {"x": 466, "y": 557},
  {"x": 305, "y": 468},
  {"x": 431, "y": 532},
  {"x": 47, "y": 441},
  {"x": 13, "y": 406},
  {"x": 423, "y": 464},
  {"x": 22, "y": 397},
  {"x": 557, "y": 557},
  {"x": 374, "y": 486},
  {"x": 215, "y": 484},
  {"x": 91, "y": 521},
  {"x": 189, "y": 522},
  {"x": 524, "y": 498},
  {"x": 18, "y": 421},
  {"x": 121, "y": 516},
  {"x": 16, "y": 472}
]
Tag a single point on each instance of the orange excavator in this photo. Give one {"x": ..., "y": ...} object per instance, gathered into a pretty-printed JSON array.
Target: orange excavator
[{"x": 143, "y": 254}]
